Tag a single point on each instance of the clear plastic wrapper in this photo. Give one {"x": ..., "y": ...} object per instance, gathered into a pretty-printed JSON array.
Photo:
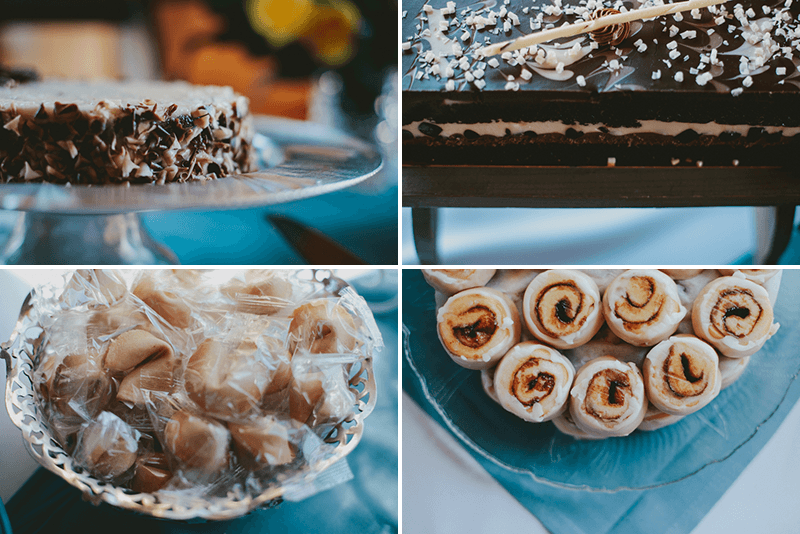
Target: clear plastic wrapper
[{"x": 203, "y": 384}]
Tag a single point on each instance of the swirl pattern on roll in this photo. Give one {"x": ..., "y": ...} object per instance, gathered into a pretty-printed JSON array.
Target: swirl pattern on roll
[
  {"x": 450, "y": 281},
  {"x": 681, "y": 375},
  {"x": 478, "y": 326},
  {"x": 532, "y": 381},
  {"x": 643, "y": 307},
  {"x": 734, "y": 315},
  {"x": 608, "y": 397},
  {"x": 563, "y": 308}
]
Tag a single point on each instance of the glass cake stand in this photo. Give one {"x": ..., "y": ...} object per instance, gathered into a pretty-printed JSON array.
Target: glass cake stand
[
  {"x": 642, "y": 460},
  {"x": 87, "y": 225}
]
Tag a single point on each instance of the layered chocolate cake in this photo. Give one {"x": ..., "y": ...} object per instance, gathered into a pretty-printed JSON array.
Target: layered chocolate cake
[
  {"x": 714, "y": 86},
  {"x": 122, "y": 132}
]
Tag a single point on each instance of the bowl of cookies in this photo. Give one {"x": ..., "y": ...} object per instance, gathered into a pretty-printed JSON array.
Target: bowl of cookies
[{"x": 188, "y": 393}]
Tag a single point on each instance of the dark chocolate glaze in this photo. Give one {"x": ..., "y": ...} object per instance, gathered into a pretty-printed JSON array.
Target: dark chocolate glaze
[{"x": 621, "y": 98}]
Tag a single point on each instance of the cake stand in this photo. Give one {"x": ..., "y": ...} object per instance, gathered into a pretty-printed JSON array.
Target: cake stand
[{"x": 101, "y": 225}]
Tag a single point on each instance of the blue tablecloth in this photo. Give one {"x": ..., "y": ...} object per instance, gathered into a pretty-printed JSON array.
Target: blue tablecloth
[
  {"x": 365, "y": 505},
  {"x": 672, "y": 509},
  {"x": 365, "y": 224}
]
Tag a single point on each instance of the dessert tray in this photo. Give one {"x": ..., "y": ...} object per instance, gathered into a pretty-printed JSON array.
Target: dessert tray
[
  {"x": 298, "y": 160},
  {"x": 642, "y": 460},
  {"x": 27, "y": 345}
]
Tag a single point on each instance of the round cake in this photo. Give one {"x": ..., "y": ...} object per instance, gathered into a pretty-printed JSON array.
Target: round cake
[{"x": 110, "y": 132}]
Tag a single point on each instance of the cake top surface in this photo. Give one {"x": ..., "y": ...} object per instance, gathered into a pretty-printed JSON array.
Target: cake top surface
[
  {"x": 735, "y": 47},
  {"x": 88, "y": 94}
]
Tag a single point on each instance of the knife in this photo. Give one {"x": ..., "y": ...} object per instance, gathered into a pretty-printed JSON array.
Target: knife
[{"x": 312, "y": 245}]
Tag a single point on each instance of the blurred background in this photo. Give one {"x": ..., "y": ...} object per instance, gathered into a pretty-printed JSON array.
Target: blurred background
[
  {"x": 328, "y": 61},
  {"x": 674, "y": 236}
]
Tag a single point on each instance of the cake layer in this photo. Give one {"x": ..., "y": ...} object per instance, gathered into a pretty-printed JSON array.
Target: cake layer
[
  {"x": 723, "y": 76},
  {"x": 122, "y": 132}
]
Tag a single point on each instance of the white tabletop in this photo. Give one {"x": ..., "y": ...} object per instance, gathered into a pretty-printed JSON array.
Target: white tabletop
[{"x": 445, "y": 491}]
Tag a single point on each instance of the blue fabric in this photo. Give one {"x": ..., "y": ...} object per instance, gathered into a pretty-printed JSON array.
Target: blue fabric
[
  {"x": 672, "y": 509},
  {"x": 365, "y": 505},
  {"x": 364, "y": 224},
  {"x": 5, "y": 526}
]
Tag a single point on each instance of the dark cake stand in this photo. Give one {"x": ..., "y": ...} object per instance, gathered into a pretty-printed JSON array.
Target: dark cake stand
[
  {"x": 426, "y": 188},
  {"x": 78, "y": 225}
]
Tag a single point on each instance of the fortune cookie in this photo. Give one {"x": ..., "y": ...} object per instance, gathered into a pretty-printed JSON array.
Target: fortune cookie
[
  {"x": 197, "y": 442},
  {"x": 167, "y": 304},
  {"x": 322, "y": 326},
  {"x": 264, "y": 441},
  {"x": 107, "y": 446},
  {"x": 131, "y": 348}
]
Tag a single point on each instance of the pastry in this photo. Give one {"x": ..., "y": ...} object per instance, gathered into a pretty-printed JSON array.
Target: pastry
[
  {"x": 264, "y": 441},
  {"x": 730, "y": 369},
  {"x": 322, "y": 326},
  {"x": 681, "y": 375},
  {"x": 608, "y": 398},
  {"x": 174, "y": 309},
  {"x": 655, "y": 419},
  {"x": 224, "y": 382},
  {"x": 681, "y": 274},
  {"x": 642, "y": 306},
  {"x": 712, "y": 87},
  {"x": 478, "y": 326},
  {"x": 154, "y": 376},
  {"x": 532, "y": 381},
  {"x": 450, "y": 281},
  {"x": 107, "y": 446},
  {"x": 563, "y": 308},
  {"x": 123, "y": 132},
  {"x": 566, "y": 425},
  {"x": 152, "y": 473},
  {"x": 131, "y": 348},
  {"x": 734, "y": 315},
  {"x": 197, "y": 442}
]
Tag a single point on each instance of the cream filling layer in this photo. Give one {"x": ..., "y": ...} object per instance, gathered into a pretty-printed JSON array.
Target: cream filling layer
[{"x": 498, "y": 128}]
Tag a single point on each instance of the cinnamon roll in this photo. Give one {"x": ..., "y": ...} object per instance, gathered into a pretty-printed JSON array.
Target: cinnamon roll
[
  {"x": 532, "y": 381},
  {"x": 769, "y": 278},
  {"x": 759, "y": 276},
  {"x": 730, "y": 369},
  {"x": 655, "y": 419},
  {"x": 566, "y": 425},
  {"x": 450, "y": 281},
  {"x": 681, "y": 375},
  {"x": 608, "y": 397},
  {"x": 681, "y": 274},
  {"x": 563, "y": 308},
  {"x": 642, "y": 306},
  {"x": 478, "y": 326},
  {"x": 487, "y": 381},
  {"x": 734, "y": 315}
]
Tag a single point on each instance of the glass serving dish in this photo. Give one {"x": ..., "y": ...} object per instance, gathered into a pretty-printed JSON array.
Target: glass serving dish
[
  {"x": 100, "y": 224},
  {"x": 21, "y": 354},
  {"x": 642, "y": 460}
]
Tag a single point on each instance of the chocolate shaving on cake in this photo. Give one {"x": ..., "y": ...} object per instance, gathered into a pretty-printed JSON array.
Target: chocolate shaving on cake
[{"x": 65, "y": 132}]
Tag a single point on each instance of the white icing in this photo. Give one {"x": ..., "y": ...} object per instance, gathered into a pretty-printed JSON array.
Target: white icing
[{"x": 668, "y": 128}]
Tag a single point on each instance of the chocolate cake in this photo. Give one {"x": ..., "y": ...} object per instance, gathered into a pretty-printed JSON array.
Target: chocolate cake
[
  {"x": 715, "y": 86},
  {"x": 122, "y": 132}
]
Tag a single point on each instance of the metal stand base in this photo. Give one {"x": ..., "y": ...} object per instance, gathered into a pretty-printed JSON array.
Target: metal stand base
[{"x": 47, "y": 239}]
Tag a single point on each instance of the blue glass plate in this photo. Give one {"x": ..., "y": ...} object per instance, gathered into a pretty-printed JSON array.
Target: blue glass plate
[{"x": 642, "y": 460}]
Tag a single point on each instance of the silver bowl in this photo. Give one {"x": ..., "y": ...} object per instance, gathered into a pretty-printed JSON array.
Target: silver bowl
[{"x": 21, "y": 353}]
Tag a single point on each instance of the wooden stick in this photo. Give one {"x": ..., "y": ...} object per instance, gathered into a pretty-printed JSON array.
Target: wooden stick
[{"x": 569, "y": 30}]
